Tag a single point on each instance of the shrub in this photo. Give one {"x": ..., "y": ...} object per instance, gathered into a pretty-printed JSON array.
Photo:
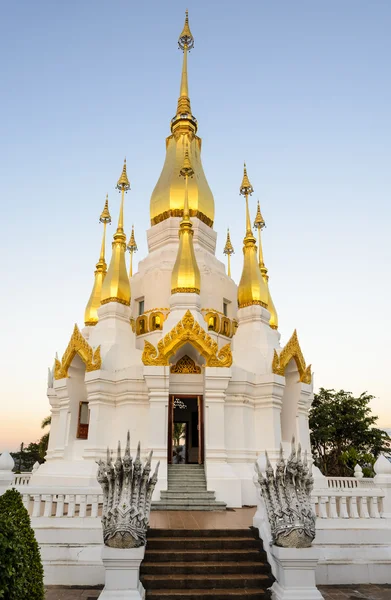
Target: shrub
[{"x": 21, "y": 573}]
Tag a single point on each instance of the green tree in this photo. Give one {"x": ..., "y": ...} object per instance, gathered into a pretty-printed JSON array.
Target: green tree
[
  {"x": 44, "y": 441},
  {"x": 21, "y": 573},
  {"x": 25, "y": 459},
  {"x": 343, "y": 433}
]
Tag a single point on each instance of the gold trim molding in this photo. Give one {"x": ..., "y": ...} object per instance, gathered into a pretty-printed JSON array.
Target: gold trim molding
[
  {"x": 292, "y": 350},
  {"x": 178, "y": 212},
  {"x": 187, "y": 330},
  {"x": 77, "y": 345},
  {"x": 186, "y": 366}
]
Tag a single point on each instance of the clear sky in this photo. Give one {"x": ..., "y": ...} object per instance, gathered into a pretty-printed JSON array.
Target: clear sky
[{"x": 300, "y": 90}]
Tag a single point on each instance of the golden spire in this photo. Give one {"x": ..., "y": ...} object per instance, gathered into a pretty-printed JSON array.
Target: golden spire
[
  {"x": 116, "y": 286},
  {"x": 186, "y": 276},
  {"x": 91, "y": 314},
  {"x": 260, "y": 224},
  {"x": 184, "y": 118},
  {"x": 168, "y": 194},
  {"x": 252, "y": 288},
  {"x": 228, "y": 250},
  {"x": 132, "y": 247}
]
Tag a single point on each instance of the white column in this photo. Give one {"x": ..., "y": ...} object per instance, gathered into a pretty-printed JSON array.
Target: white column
[
  {"x": 220, "y": 476},
  {"x": 157, "y": 380},
  {"x": 267, "y": 414},
  {"x": 55, "y": 422},
  {"x": 303, "y": 430},
  {"x": 101, "y": 396}
]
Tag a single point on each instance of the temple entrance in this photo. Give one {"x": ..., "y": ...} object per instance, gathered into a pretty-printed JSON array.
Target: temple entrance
[{"x": 185, "y": 430}]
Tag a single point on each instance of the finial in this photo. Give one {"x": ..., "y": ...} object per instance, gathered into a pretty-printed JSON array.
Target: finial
[
  {"x": 246, "y": 188},
  {"x": 187, "y": 169},
  {"x": 259, "y": 222},
  {"x": 228, "y": 248},
  {"x": 123, "y": 181},
  {"x": 105, "y": 216},
  {"x": 132, "y": 246},
  {"x": 186, "y": 39}
]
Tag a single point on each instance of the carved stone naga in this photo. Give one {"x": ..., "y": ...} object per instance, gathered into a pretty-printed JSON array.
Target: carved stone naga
[
  {"x": 127, "y": 496},
  {"x": 287, "y": 496}
]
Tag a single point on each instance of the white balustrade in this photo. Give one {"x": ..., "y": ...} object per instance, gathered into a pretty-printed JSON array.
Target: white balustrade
[
  {"x": 22, "y": 478},
  {"x": 64, "y": 503},
  {"x": 348, "y": 503}
]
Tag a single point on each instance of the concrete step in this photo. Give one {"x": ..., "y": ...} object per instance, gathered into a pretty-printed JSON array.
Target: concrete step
[
  {"x": 206, "y": 507},
  {"x": 187, "y": 495},
  {"x": 194, "y": 568},
  {"x": 204, "y": 555},
  {"x": 203, "y": 533},
  {"x": 202, "y": 543},
  {"x": 212, "y": 594},
  {"x": 206, "y": 580}
]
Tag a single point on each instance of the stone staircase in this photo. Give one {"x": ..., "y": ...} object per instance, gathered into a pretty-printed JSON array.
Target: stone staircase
[
  {"x": 187, "y": 490},
  {"x": 205, "y": 564}
]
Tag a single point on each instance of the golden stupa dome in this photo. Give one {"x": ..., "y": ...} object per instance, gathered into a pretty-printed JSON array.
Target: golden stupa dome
[{"x": 168, "y": 196}]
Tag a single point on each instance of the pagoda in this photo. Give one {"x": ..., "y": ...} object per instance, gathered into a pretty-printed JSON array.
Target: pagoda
[{"x": 177, "y": 352}]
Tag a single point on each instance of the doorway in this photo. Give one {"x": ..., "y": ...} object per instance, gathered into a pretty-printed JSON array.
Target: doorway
[{"x": 185, "y": 430}]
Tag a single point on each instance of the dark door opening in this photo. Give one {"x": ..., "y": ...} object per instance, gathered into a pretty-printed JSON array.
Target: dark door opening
[{"x": 185, "y": 430}]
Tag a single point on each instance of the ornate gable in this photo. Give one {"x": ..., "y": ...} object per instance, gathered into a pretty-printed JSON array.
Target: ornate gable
[
  {"x": 186, "y": 366},
  {"x": 292, "y": 350},
  {"x": 77, "y": 345},
  {"x": 187, "y": 330}
]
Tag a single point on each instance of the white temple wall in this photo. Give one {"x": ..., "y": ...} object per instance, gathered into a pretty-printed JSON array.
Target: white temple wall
[{"x": 290, "y": 403}]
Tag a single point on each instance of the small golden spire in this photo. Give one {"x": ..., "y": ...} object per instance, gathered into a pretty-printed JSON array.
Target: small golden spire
[
  {"x": 228, "y": 250},
  {"x": 259, "y": 224},
  {"x": 91, "y": 311},
  {"x": 116, "y": 286},
  {"x": 132, "y": 247},
  {"x": 252, "y": 288},
  {"x": 184, "y": 117},
  {"x": 186, "y": 276}
]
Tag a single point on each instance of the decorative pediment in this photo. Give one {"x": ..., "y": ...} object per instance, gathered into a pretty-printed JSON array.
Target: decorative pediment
[
  {"x": 187, "y": 330},
  {"x": 77, "y": 345},
  {"x": 186, "y": 366},
  {"x": 292, "y": 350}
]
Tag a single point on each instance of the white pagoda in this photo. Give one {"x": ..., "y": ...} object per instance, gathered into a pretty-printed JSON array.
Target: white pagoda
[{"x": 178, "y": 353}]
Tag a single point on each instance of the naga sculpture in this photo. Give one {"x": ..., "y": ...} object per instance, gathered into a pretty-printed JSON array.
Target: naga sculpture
[
  {"x": 287, "y": 496},
  {"x": 127, "y": 495}
]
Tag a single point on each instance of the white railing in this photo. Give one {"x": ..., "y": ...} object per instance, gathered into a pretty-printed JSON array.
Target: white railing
[
  {"x": 65, "y": 502},
  {"x": 22, "y": 478},
  {"x": 349, "y": 482},
  {"x": 348, "y": 503}
]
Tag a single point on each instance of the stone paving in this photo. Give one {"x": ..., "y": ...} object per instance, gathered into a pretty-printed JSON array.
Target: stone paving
[{"x": 330, "y": 592}]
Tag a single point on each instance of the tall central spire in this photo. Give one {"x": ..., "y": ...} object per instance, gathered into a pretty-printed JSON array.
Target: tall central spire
[
  {"x": 184, "y": 118},
  {"x": 168, "y": 196}
]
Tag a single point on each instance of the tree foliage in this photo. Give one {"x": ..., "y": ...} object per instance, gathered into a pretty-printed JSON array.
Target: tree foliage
[
  {"x": 21, "y": 573},
  {"x": 343, "y": 433},
  {"x": 24, "y": 461}
]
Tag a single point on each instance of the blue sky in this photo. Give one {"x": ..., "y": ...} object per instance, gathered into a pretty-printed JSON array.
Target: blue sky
[{"x": 300, "y": 90}]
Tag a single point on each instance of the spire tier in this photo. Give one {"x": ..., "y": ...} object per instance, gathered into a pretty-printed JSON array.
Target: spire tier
[
  {"x": 259, "y": 224},
  {"x": 116, "y": 286},
  {"x": 228, "y": 250},
  {"x": 132, "y": 247},
  {"x": 91, "y": 311},
  {"x": 186, "y": 276},
  {"x": 252, "y": 288}
]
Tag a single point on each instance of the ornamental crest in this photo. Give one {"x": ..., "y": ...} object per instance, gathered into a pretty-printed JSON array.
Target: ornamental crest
[
  {"x": 187, "y": 330},
  {"x": 127, "y": 496},
  {"x": 287, "y": 496},
  {"x": 292, "y": 350},
  {"x": 77, "y": 345},
  {"x": 186, "y": 366}
]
